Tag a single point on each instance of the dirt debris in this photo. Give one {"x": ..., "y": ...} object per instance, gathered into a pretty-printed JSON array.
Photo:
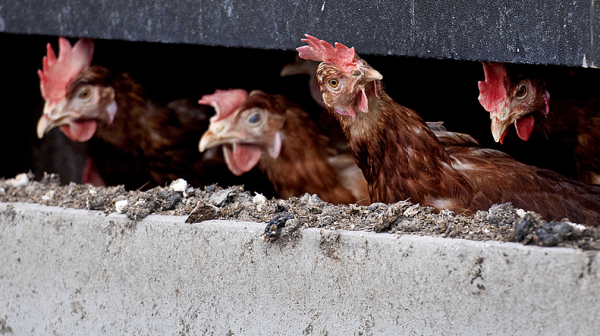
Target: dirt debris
[
  {"x": 202, "y": 212},
  {"x": 286, "y": 218}
]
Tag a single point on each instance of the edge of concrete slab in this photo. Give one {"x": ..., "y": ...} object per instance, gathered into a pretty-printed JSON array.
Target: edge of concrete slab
[{"x": 67, "y": 271}]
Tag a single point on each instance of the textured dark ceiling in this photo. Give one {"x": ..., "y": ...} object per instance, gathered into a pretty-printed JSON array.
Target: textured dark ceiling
[{"x": 527, "y": 31}]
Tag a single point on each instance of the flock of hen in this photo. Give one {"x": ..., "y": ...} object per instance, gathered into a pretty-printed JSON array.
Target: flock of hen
[{"x": 395, "y": 154}]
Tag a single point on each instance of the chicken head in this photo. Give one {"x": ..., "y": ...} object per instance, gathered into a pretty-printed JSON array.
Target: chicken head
[
  {"x": 246, "y": 125},
  {"x": 344, "y": 78},
  {"x": 516, "y": 100},
  {"x": 71, "y": 102}
]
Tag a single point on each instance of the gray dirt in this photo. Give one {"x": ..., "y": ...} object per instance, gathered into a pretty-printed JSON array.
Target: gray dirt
[{"x": 286, "y": 218}]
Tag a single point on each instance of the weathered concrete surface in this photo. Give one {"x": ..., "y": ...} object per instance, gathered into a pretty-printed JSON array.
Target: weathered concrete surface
[
  {"x": 527, "y": 31},
  {"x": 74, "y": 272}
]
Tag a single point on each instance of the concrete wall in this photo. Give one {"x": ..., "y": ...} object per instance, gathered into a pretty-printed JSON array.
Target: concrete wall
[{"x": 74, "y": 272}]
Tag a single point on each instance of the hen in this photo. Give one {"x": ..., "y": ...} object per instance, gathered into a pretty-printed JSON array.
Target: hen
[
  {"x": 514, "y": 96},
  {"x": 279, "y": 137},
  {"x": 134, "y": 141},
  {"x": 402, "y": 159}
]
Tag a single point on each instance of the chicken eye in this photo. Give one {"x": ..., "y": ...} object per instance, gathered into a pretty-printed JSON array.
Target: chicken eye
[
  {"x": 522, "y": 92},
  {"x": 84, "y": 94},
  {"x": 334, "y": 83},
  {"x": 254, "y": 119}
]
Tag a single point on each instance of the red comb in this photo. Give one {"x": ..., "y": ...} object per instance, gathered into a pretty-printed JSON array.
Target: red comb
[
  {"x": 321, "y": 51},
  {"x": 225, "y": 102},
  {"x": 492, "y": 91},
  {"x": 58, "y": 73}
]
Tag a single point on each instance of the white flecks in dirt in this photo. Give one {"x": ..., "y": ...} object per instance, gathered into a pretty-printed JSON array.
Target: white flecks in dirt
[
  {"x": 259, "y": 199},
  {"x": 18, "y": 181},
  {"x": 122, "y": 206},
  {"x": 48, "y": 196},
  {"x": 288, "y": 217},
  {"x": 179, "y": 185}
]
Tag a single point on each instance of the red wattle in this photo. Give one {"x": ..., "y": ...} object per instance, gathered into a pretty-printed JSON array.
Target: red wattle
[
  {"x": 80, "y": 131},
  {"x": 241, "y": 158},
  {"x": 524, "y": 127},
  {"x": 502, "y": 137}
]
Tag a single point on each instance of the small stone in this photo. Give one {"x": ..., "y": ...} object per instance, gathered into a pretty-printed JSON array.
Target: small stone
[
  {"x": 353, "y": 209},
  {"x": 274, "y": 225},
  {"x": 448, "y": 213},
  {"x": 545, "y": 238},
  {"x": 202, "y": 212},
  {"x": 220, "y": 197},
  {"x": 171, "y": 201},
  {"x": 179, "y": 185},
  {"x": 210, "y": 188},
  {"x": 377, "y": 206},
  {"x": 121, "y": 206},
  {"x": 577, "y": 227},
  {"x": 406, "y": 225},
  {"x": 259, "y": 199},
  {"x": 314, "y": 209},
  {"x": 18, "y": 181},
  {"x": 189, "y": 192},
  {"x": 165, "y": 194},
  {"x": 280, "y": 207},
  {"x": 48, "y": 196},
  {"x": 412, "y": 211},
  {"x": 314, "y": 199},
  {"x": 305, "y": 198},
  {"x": 50, "y": 178},
  {"x": 326, "y": 220},
  {"x": 96, "y": 202},
  {"x": 523, "y": 228},
  {"x": 585, "y": 245},
  {"x": 502, "y": 214}
]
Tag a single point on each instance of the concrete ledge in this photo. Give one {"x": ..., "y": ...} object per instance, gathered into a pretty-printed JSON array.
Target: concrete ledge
[{"x": 75, "y": 272}]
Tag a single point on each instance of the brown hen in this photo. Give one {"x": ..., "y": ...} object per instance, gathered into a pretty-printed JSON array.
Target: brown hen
[
  {"x": 516, "y": 96},
  {"x": 279, "y": 137},
  {"x": 402, "y": 159}
]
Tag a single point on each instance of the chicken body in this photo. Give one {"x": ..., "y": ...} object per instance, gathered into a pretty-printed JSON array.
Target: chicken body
[
  {"x": 281, "y": 139},
  {"x": 563, "y": 125},
  {"x": 402, "y": 159}
]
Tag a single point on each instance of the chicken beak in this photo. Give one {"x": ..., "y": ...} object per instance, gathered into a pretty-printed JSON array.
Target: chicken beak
[
  {"x": 370, "y": 75},
  {"x": 500, "y": 124},
  {"x": 497, "y": 129},
  {"x": 212, "y": 139},
  {"x": 54, "y": 116},
  {"x": 44, "y": 125},
  {"x": 207, "y": 141}
]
